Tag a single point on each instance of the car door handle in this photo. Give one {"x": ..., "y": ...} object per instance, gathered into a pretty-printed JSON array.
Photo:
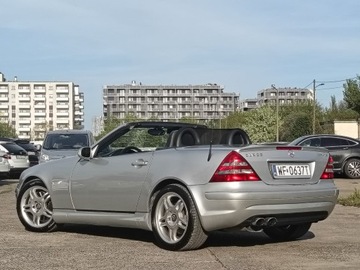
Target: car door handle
[{"x": 139, "y": 163}]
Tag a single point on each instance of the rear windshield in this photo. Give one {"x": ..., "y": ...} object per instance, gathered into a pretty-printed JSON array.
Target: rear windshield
[
  {"x": 65, "y": 141},
  {"x": 14, "y": 149}
]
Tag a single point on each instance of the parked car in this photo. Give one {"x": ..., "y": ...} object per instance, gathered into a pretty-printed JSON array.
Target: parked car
[
  {"x": 31, "y": 149},
  {"x": 4, "y": 165},
  {"x": 181, "y": 181},
  {"x": 344, "y": 150},
  {"x": 64, "y": 143},
  {"x": 17, "y": 156}
]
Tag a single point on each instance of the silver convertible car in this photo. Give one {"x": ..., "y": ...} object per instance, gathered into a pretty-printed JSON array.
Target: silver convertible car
[{"x": 181, "y": 181}]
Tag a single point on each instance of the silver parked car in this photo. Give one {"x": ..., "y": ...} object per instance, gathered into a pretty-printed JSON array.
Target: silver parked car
[
  {"x": 64, "y": 143},
  {"x": 181, "y": 181}
]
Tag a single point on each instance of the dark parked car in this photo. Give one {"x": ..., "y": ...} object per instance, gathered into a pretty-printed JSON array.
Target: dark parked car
[
  {"x": 344, "y": 150},
  {"x": 31, "y": 149}
]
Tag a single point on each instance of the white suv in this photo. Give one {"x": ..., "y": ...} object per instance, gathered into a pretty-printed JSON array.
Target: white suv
[{"x": 16, "y": 156}]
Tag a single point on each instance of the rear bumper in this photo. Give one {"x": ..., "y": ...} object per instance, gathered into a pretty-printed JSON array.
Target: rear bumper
[{"x": 224, "y": 206}]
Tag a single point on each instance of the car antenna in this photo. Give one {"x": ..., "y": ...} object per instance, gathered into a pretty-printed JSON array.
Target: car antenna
[{"x": 210, "y": 148}]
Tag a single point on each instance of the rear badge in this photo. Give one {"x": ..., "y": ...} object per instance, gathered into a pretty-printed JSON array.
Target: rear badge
[{"x": 291, "y": 154}]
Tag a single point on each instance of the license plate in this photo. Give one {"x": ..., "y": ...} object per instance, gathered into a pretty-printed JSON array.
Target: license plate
[
  {"x": 291, "y": 170},
  {"x": 21, "y": 157}
]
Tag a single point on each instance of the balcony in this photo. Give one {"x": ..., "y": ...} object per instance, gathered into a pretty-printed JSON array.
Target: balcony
[
  {"x": 24, "y": 121},
  {"x": 24, "y": 98},
  {"x": 4, "y": 90},
  {"x": 40, "y": 114},
  {"x": 24, "y": 90},
  {"x": 4, "y": 98},
  {"x": 40, "y": 106},
  {"x": 39, "y": 98},
  {"x": 62, "y": 120},
  {"x": 62, "y": 98},
  {"x": 4, "y": 113},
  {"x": 79, "y": 119},
  {"x": 24, "y": 114},
  {"x": 61, "y": 114},
  {"x": 62, "y": 90},
  {"x": 62, "y": 106},
  {"x": 24, "y": 129},
  {"x": 3, "y": 106},
  {"x": 24, "y": 106},
  {"x": 39, "y": 90}
]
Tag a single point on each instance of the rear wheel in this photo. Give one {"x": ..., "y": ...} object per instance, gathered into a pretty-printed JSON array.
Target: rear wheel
[
  {"x": 289, "y": 232},
  {"x": 352, "y": 168},
  {"x": 34, "y": 207},
  {"x": 175, "y": 221}
]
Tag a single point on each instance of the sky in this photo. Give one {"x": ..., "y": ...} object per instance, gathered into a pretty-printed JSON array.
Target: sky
[{"x": 243, "y": 45}]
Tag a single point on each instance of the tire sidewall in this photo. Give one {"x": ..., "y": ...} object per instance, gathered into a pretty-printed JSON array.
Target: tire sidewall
[
  {"x": 186, "y": 197},
  {"x": 35, "y": 182}
]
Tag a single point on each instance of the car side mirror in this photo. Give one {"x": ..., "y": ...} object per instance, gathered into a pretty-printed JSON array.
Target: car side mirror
[{"x": 85, "y": 152}]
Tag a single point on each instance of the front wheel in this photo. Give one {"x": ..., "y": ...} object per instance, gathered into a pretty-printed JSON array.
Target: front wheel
[
  {"x": 287, "y": 233},
  {"x": 175, "y": 221},
  {"x": 352, "y": 168},
  {"x": 34, "y": 207}
]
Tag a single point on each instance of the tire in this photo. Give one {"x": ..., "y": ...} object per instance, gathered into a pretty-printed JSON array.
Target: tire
[
  {"x": 287, "y": 233},
  {"x": 175, "y": 220},
  {"x": 34, "y": 207},
  {"x": 352, "y": 168}
]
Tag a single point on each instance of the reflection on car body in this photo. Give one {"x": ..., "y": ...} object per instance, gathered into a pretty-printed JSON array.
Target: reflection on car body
[{"x": 181, "y": 181}]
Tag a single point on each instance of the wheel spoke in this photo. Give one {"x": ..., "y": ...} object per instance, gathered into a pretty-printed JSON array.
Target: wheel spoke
[{"x": 173, "y": 234}]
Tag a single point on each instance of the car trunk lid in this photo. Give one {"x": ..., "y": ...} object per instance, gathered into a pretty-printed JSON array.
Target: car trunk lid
[{"x": 285, "y": 164}]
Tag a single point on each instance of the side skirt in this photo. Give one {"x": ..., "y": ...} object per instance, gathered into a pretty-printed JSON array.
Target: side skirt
[{"x": 126, "y": 220}]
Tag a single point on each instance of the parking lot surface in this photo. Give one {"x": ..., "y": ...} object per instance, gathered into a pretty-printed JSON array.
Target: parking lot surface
[{"x": 330, "y": 244}]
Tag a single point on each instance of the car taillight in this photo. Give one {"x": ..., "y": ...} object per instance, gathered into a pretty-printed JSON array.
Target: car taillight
[
  {"x": 234, "y": 167},
  {"x": 6, "y": 156},
  {"x": 329, "y": 169}
]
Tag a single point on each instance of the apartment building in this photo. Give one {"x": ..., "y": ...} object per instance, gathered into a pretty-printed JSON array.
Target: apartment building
[
  {"x": 33, "y": 108},
  {"x": 168, "y": 102},
  {"x": 248, "y": 104},
  {"x": 286, "y": 95}
]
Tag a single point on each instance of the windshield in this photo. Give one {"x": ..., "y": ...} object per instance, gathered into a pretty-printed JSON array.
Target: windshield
[{"x": 65, "y": 141}]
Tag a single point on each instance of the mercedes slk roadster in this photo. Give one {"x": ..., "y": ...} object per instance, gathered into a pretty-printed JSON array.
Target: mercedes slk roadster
[{"x": 181, "y": 181}]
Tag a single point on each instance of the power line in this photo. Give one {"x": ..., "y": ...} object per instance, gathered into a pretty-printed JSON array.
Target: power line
[
  {"x": 337, "y": 81},
  {"x": 328, "y": 88}
]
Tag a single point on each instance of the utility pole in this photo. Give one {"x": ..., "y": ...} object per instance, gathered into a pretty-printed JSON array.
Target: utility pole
[
  {"x": 314, "y": 104},
  {"x": 277, "y": 111}
]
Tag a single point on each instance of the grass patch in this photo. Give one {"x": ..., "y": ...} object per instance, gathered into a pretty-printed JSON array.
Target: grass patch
[{"x": 351, "y": 200}]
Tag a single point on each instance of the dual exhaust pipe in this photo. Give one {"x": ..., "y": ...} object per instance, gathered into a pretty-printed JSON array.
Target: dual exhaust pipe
[{"x": 264, "y": 222}]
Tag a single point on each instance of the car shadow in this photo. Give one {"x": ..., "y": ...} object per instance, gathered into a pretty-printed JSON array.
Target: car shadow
[{"x": 215, "y": 239}]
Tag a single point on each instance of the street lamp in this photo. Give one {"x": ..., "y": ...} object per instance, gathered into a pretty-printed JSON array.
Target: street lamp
[
  {"x": 314, "y": 103},
  {"x": 277, "y": 111}
]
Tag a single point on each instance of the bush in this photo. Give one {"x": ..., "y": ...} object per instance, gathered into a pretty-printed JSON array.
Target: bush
[{"x": 352, "y": 200}]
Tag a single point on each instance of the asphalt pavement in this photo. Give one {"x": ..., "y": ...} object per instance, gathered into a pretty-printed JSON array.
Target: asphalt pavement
[{"x": 330, "y": 244}]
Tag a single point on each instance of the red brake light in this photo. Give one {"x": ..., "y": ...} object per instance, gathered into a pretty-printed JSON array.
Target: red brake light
[
  {"x": 329, "y": 169},
  {"x": 234, "y": 167},
  {"x": 286, "y": 147}
]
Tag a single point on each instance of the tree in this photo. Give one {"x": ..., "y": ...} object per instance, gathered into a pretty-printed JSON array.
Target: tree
[
  {"x": 261, "y": 124},
  {"x": 352, "y": 94},
  {"x": 296, "y": 125},
  {"x": 7, "y": 131},
  {"x": 339, "y": 111}
]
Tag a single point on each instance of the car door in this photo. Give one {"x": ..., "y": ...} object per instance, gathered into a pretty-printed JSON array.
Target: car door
[
  {"x": 111, "y": 183},
  {"x": 338, "y": 148}
]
